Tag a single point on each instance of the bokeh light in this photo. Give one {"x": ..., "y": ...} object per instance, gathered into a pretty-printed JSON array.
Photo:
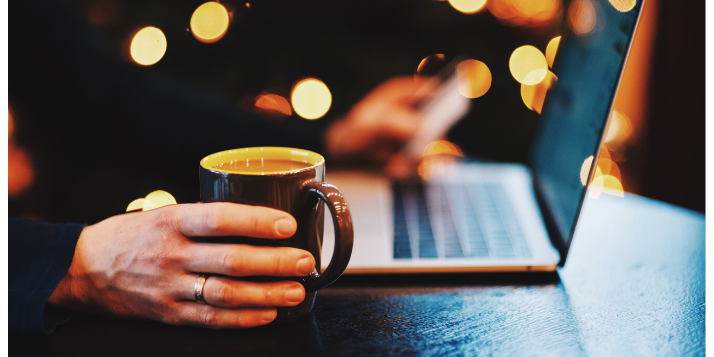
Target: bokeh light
[
  {"x": 551, "y": 50},
  {"x": 210, "y": 22},
  {"x": 136, "y": 205},
  {"x": 20, "y": 173},
  {"x": 148, "y": 46},
  {"x": 311, "y": 98},
  {"x": 439, "y": 158},
  {"x": 582, "y": 16},
  {"x": 609, "y": 167},
  {"x": 430, "y": 66},
  {"x": 606, "y": 178},
  {"x": 619, "y": 129},
  {"x": 530, "y": 13},
  {"x": 535, "y": 8},
  {"x": 528, "y": 65},
  {"x": 605, "y": 184},
  {"x": 474, "y": 78},
  {"x": 534, "y": 95},
  {"x": 158, "y": 199},
  {"x": 623, "y": 5},
  {"x": 585, "y": 170},
  {"x": 153, "y": 200},
  {"x": 442, "y": 147},
  {"x": 272, "y": 105},
  {"x": 468, "y": 6},
  {"x": 10, "y": 123},
  {"x": 502, "y": 9}
]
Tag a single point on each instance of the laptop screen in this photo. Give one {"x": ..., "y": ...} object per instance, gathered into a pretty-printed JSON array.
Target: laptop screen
[{"x": 588, "y": 66}]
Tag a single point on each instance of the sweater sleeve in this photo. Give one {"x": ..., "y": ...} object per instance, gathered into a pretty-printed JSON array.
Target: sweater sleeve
[{"x": 39, "y": 255}]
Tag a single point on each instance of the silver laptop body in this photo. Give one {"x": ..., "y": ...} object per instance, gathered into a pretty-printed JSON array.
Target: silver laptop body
[{"x": 485, "y": 217}]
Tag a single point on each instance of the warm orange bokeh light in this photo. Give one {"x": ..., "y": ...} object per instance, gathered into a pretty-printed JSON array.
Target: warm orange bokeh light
[
  {"x": 585, "y": 170},
  {"x": 10, "y": 123},
  {"x": 158, "y": 199},
  {"x": 148, "y": 46},
  {"x": 210, "y": 22},
  {"x": 528, "y": 65},
  {"x": 619, "y": 129},
  {"x": 502, "y": 9},
  {"x": 623, "y": 5},
  {"x": 474, "y": 78},
  {"x": 430, "y": 65},
  {"x": 153, "y": 200},
  {"x": 468, "y": 6},
  {"x": 551, "y": 50},
  {"x": 525, "y": 12},
  {"x": 311, "y": 98},
  {"x": 609, "y": 167},
  {"x": 534, "y": 96},
  {"x": 582, "y": 16},
  {"x": 273, "y": 104},
  {"x": 539, "y": 8},
  {"x": 605, "y": 184},
  {"x": 136, "y": 205},
  {"x": 20, "y": 173},
  {"x": 442, "y": 147},
  {"x": 607, "y": 176}
]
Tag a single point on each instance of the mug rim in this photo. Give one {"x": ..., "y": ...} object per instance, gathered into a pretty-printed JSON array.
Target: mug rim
[{"x": 311, "y": 157}]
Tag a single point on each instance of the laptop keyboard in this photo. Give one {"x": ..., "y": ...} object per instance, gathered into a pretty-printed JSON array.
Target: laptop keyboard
[{"x": 455, "y": 220}]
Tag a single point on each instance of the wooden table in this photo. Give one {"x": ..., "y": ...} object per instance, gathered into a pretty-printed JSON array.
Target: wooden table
[{"x": 634, "y": 284}]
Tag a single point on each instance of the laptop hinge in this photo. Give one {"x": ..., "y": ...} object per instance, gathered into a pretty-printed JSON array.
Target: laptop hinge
[{"x": 556, "y": 237}]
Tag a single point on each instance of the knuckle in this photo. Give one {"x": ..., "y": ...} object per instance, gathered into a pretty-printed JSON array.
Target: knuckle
[
  {"x": 208, "y": 317},
  {"x": 255, "y": 222},
  {"x": 224, "y": 295},
  {"x": 213, "y": 219},
  {"x": 233, "y": 261},
  {"x": 167, "y": 218},
  {"x": 171, "y": 316},
  {"x": 280, "y": 264}
]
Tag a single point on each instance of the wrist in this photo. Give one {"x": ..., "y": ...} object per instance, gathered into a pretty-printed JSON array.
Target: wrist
[{"x": 66, "y": 294}]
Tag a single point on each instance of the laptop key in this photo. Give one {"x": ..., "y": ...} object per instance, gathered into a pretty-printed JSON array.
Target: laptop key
[
  {"x": 402, "y": 246},
  {"x": 427, "y": 244}
]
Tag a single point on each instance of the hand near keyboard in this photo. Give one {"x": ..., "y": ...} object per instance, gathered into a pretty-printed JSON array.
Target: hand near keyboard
[{"x": 376, "y": 129}]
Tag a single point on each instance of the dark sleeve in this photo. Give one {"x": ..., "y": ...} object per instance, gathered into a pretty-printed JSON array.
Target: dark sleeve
[{"x": 39, "y": 255}]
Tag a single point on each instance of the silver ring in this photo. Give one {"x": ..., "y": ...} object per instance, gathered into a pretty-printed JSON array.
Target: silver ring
[{"x": 198, "y": 288}]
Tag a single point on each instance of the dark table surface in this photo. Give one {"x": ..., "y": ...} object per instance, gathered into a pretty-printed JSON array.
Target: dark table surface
[{"x": 634, "y": 284}]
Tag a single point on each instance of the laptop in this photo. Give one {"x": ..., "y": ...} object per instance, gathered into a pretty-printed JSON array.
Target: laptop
[{"x": 497, "y": 217}]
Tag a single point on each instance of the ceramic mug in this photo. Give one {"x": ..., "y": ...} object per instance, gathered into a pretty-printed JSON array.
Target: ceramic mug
[{"x": 291, "y": 180}]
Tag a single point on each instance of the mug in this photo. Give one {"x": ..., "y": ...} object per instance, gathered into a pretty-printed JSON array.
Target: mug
[{"x": 291, "y": 180}]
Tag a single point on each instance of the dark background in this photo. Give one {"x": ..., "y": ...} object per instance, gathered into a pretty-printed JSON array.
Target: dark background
[{"x": 352, "y": 47}]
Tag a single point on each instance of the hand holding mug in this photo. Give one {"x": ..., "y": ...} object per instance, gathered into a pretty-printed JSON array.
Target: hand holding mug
[{"x": 144, "y": 265}]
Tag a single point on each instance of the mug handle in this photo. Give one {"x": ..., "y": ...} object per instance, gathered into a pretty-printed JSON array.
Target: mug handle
[{"x": 344, "y": 234}]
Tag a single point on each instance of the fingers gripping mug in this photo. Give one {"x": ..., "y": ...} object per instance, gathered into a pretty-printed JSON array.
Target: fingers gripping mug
[{"x": 291, "y": 180}]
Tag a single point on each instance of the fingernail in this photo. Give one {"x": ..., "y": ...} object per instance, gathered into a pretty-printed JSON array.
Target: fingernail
[
  {"x": 268, "y": 315},
  {"x": 294, "y": 295},
  {"x": 285, "y": 227},
  {"x": 305, "y": 266}
]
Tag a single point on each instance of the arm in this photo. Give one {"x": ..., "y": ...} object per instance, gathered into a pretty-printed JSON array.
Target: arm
[
  {"x": 144, "y": 266},
  {"x": 39, "y": 256}
]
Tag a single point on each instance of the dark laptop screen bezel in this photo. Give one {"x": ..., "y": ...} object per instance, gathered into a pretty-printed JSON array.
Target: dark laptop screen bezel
[{"x": 559, "y": 239}]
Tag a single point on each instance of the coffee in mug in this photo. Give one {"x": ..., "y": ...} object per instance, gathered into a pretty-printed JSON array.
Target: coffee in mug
[{"x": 291, "y": 180}]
